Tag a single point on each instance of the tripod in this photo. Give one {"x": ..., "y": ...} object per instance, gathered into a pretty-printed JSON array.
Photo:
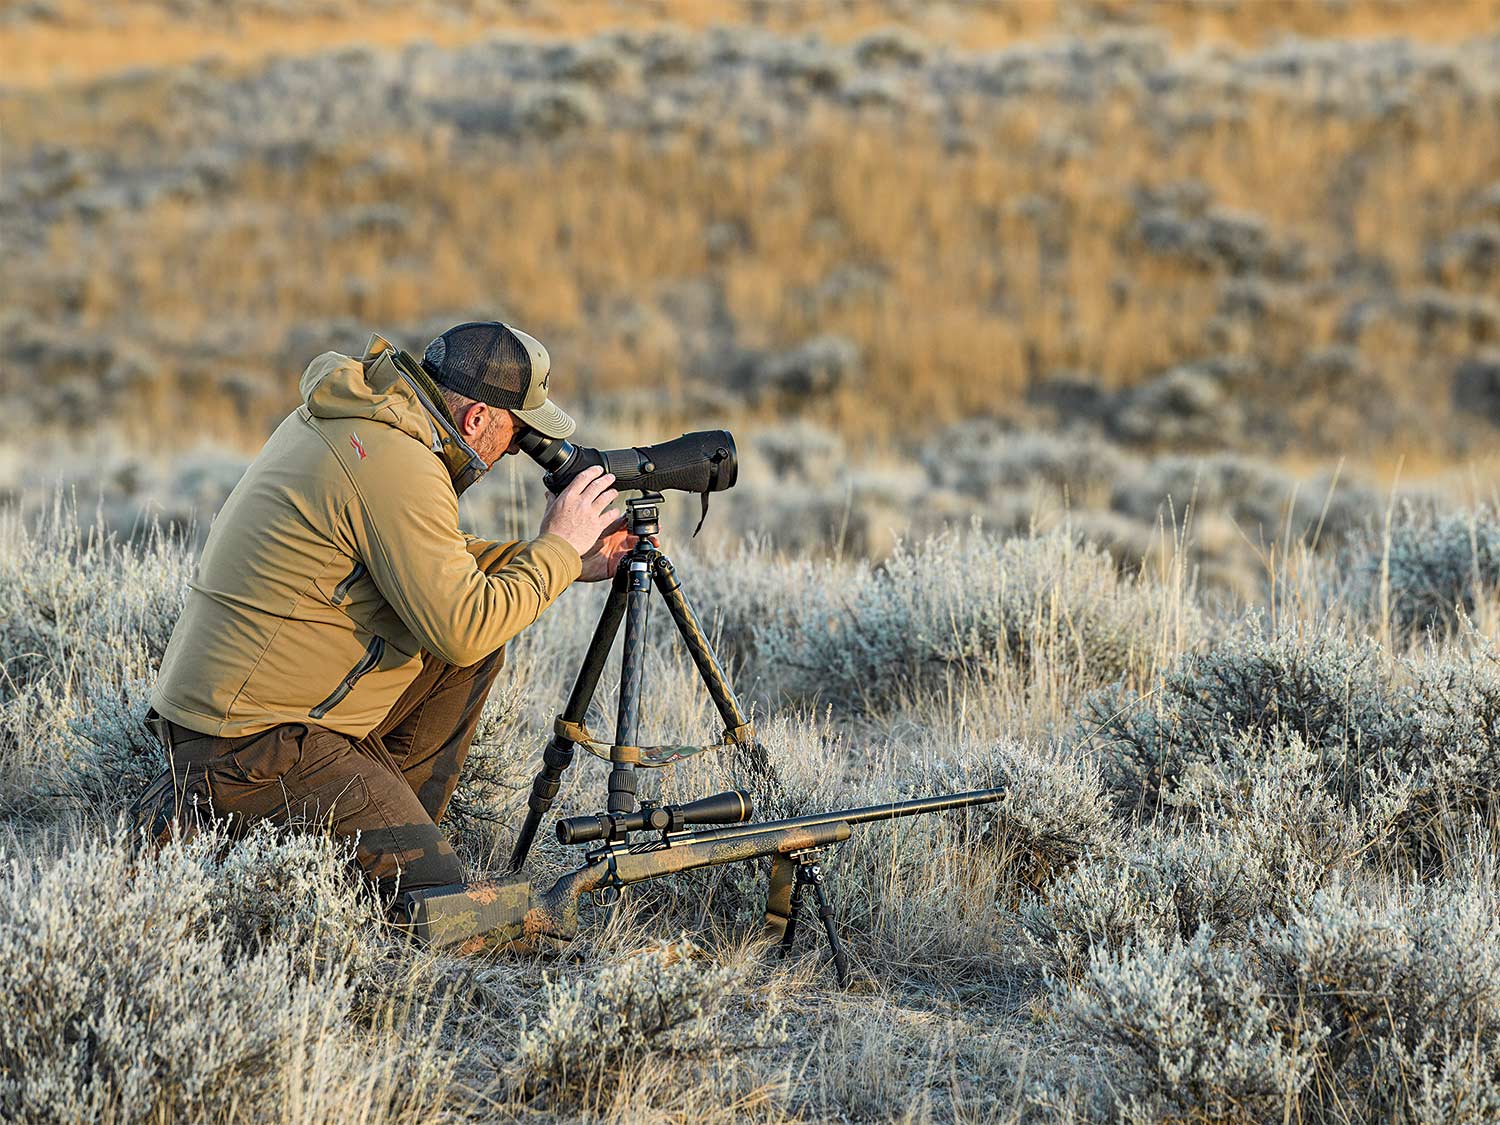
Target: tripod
[{"x": 630, "y": 600}]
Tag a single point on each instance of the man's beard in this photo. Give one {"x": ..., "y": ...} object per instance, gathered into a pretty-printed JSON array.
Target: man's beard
[{"x": 487, "y": 446}]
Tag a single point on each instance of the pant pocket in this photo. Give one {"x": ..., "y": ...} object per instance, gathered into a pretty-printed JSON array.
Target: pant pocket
[
  {"x": 335, "y": 805},
  {"x": 268, "y": 757}
]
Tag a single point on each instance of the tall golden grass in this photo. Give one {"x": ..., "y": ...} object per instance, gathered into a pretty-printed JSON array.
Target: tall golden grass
[
  {"x": 87, "y": 40},
  {"x": 1002, "y": 261}
]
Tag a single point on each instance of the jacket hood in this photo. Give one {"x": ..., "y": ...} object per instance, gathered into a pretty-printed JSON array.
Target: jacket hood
[{"x": 375, "y": 387}]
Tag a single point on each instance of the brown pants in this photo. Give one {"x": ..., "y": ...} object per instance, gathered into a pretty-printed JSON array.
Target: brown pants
[{"x": 389, "y": 788}]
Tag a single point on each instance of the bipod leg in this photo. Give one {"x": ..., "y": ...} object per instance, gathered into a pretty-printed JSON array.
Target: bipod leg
[
  {"x": 784, "y": 946},
  {"x": 736, "y": 727},
  {"x": 825, "y": 912},
  {"x": 557, "y": 756}
]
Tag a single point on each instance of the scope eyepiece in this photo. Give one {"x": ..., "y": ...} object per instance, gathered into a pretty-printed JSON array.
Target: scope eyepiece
[
  {"x": 705, "y": 461},
  {"x": 732, "y": 807}
]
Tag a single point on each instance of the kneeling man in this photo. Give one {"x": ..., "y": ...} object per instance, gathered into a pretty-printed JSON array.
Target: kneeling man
[{"x": 340, "y": 632}]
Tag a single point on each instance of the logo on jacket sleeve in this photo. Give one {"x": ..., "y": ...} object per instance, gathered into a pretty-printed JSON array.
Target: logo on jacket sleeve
[{"x": 358, "y": 447}]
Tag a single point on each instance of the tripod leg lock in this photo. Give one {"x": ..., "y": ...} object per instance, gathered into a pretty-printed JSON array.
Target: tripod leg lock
[{"x": 557, "y": 756}]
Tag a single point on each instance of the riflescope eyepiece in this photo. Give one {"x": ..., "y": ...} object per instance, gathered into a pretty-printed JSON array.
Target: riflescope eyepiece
[
  {"x": 705, "y": 461},
  {"x": 732, "y": 807}
]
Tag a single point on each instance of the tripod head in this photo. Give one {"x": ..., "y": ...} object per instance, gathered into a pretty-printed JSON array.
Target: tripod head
[{"x": 643, "y": 514}]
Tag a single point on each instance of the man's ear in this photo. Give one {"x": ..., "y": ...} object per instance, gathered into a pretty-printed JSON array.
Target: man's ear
[{"x": 472, "y": 421}]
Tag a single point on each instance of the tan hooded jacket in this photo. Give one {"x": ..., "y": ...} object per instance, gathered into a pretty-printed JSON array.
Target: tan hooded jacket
[{"x": 337, "y": 560}]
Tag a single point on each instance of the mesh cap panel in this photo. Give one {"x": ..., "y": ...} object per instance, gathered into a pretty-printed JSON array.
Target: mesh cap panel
[{"x": 484, "y": 361}]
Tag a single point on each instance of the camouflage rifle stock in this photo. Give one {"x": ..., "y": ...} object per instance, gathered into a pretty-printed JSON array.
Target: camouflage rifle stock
[{"x": 512, "y": 914}]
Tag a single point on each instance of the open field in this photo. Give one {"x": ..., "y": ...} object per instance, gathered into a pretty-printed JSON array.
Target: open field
[
  {"x": 1117, "y": 387},
  {"x": 1248, "y": 872}
]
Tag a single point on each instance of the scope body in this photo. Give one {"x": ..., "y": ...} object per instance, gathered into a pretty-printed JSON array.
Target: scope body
[
  {"x": 704, "y": 461},
  {"x": 732, "y": 807}
]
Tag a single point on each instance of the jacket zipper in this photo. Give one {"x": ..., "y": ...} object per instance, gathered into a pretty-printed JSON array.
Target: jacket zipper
[
  {"x": 342, "y": 589},
  {"x": 373, "y": 652},
  {"x": 475, "y": 466}
]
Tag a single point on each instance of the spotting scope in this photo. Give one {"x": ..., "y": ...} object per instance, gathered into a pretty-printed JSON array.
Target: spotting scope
[{"x": 702, "y": 462}]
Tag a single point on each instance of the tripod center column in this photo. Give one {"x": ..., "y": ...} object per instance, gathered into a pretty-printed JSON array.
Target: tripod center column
[{"x": 623, "y": 755}]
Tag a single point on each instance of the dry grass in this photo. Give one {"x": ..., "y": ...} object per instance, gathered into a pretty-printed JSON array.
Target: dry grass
[
  {"x": 79, "y": 42},
  {"x": 970, "y": 245},
  {"x": 1046, "y": 959}
]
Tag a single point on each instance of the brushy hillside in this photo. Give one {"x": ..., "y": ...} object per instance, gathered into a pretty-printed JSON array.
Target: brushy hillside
[
  {"x": 1053, "y": 263},
  {"x": 1245, "y": 229},
  {"x": 1248, "y": 871}
]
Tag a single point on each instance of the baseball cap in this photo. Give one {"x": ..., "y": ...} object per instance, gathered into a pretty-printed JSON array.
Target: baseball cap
[{"x": 496, "y": 364}]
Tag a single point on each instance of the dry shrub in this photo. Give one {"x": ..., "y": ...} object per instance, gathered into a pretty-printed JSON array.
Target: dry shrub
[
  {"x": 84, "y": 619},
  {"x": 205, "y": 982},
  {"x": 1054, "y": 811},
  {"x": 592, "y": 1028},
  {"x": 1333, "y": 692},
  {"x": 1352, "y": 1009},
  {"x": 1190, "y": 1032},
  {"x": 1162, "y": 887},
  {"x": 72, "y": 597},
  {"x": 1043, "y": 609},
  {"x": 1430, "y": 571},
  {"x": 1404, "y": 997},
  {"x": 1455, "y": 776},
  {"x": 1372, "y": 755}
]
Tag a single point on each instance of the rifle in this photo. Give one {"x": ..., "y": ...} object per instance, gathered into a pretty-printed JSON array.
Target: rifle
[{"x": 514, "y": 915}]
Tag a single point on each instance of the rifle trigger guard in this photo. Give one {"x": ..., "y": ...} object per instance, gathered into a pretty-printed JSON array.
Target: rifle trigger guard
[{"x": 611, "y": 887}]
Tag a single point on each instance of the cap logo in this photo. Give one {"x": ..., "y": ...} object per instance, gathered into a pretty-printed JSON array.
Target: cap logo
[{"x": 358, "y": 448}]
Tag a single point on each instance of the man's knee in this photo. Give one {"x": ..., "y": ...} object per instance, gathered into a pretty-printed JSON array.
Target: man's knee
[{"x": 406, "y": 857}]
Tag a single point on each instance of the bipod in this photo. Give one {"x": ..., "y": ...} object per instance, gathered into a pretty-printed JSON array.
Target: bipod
[
  {"x": 629, "y": 601},
  {"x": 806, "y": 871}
]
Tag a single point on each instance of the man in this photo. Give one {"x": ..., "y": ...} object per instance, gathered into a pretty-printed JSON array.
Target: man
[{"x": 341, "y": 633}]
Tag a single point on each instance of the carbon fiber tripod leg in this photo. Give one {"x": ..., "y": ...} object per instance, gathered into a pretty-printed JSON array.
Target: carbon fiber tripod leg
[
  {"x": 707, "y": 662},
  {"x": 557, "y": 756}
]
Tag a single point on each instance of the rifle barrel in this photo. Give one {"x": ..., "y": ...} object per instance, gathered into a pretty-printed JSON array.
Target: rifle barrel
[
  {"x": 863, "y": 815},
  {"x": 920, "y": 805}
]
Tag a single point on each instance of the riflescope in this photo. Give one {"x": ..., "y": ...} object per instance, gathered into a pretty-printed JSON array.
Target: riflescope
[
  {"x": 703, "y": 462},
  {"x": 732, "y": 807}
]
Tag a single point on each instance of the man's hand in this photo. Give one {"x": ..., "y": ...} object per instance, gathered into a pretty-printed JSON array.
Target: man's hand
[
  {"x": 602, "y": 560},
  {"x": 580, "y": 513}
]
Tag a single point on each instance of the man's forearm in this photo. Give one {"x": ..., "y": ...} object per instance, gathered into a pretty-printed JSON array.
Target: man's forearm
[{"x": 491, "y": 555}]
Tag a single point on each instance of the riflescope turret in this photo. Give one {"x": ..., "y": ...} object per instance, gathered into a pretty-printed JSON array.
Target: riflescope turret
[
  {"x": 732, "y": 807},
  {"x": 704, "y": 462}
]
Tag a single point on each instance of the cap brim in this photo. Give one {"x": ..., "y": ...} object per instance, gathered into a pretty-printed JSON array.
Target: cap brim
[{"x": 547, "y": 419}]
